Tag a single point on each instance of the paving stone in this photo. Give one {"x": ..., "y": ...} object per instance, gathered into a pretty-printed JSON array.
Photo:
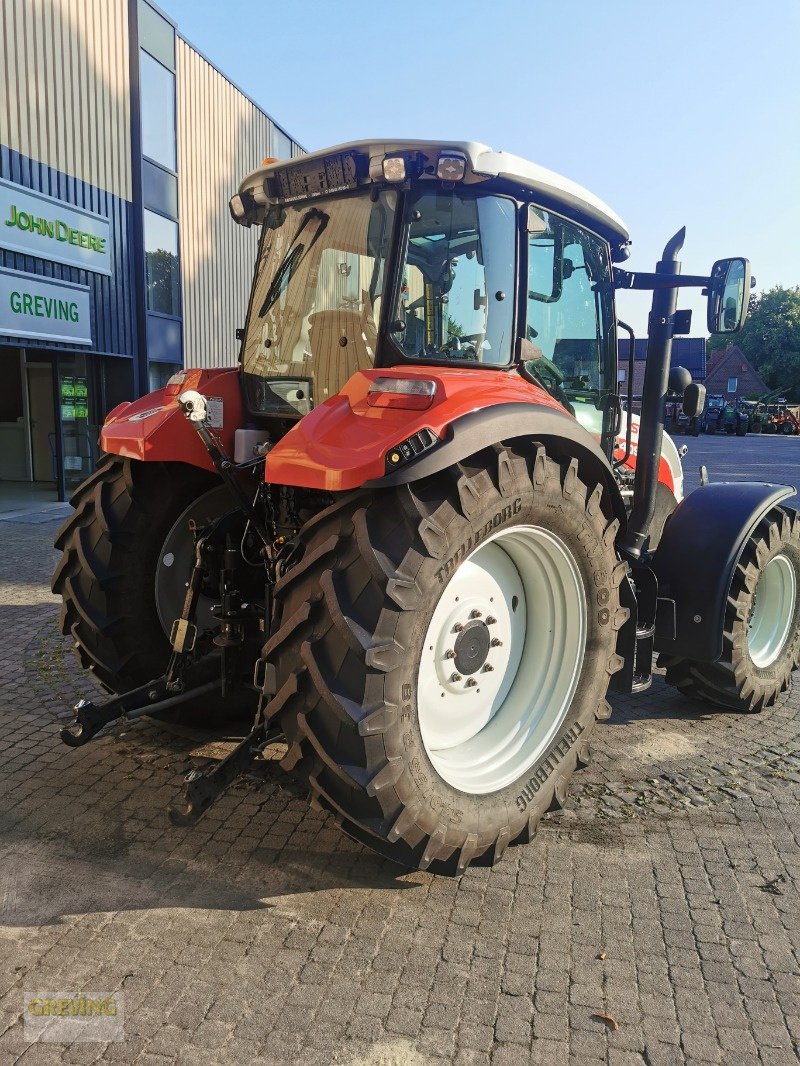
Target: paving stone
[{"x": 264, "y": 935}]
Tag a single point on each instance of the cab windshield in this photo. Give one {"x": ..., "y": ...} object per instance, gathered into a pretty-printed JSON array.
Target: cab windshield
[{"x": 316, "y": 297}]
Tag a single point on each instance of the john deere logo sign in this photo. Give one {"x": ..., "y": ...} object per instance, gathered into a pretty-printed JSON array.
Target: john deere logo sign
[
  {"x": 39, "y": 225},
  {"x": 32, "y": 306}
]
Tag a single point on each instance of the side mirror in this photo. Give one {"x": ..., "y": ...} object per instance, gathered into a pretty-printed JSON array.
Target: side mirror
[
  {"x": 728, "y": 295},
  {"x": 694, "y": 400}
]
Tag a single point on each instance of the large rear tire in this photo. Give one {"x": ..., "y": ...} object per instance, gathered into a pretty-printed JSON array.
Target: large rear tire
[
  {"x": 442, "y": 652},
  {"x": 761, "y": 634},
  {"x": 112, "y": 546}
]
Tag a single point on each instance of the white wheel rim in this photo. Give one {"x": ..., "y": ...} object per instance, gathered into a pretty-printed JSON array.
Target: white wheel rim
[
  {"x": 773, "y": 611},
  {"x": 483, "y": 728}
]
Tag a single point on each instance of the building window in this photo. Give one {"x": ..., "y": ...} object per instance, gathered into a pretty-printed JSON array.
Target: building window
[
  {"x": 159, "y": 374},
  {"x": 162, "y": 273},
  {"x": 157, "y": 35},
  {"x": 733, "y": 384},
  {"x": 621, "y": 375},
  {"x": 158, "y": 112},
  {"x": 281, "y": 144}
]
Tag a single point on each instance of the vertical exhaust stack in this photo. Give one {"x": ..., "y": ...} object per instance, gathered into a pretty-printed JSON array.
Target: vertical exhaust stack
[{"x": 656, "y": 375}]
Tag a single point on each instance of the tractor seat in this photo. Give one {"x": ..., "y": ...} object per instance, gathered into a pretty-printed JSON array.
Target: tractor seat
[{"x": 342, "y": 342}]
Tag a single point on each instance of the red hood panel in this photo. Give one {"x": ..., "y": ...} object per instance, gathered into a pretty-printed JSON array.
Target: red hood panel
[
  {"x": 343, "y": 442},
  {"x": 154, "y": 429}
]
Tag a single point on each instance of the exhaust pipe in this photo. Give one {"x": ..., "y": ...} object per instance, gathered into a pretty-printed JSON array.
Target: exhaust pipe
[{"x": 654, "y": 391}]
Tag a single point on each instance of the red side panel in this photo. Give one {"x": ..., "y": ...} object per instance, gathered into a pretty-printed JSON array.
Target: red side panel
[
  {"x": 664, "y": 469},
  {"x": 154, "y": 429},
  {"x": 343, "y": 442}
]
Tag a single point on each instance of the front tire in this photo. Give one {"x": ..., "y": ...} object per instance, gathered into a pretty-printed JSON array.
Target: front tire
[
  {"x": 761, "y": 635},
  {"x": 362, "y": 668}
]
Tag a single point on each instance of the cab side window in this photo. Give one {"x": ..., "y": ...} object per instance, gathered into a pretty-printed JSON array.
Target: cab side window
[{"x": 568, "y": 307}]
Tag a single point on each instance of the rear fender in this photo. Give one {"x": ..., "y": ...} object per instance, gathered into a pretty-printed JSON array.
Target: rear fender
[
  {"x": 347, "y": 444},
  {"x": 154, "y": 429},
  {"x": 695, "y": 559},
  {"x": 562, "y": 436}
]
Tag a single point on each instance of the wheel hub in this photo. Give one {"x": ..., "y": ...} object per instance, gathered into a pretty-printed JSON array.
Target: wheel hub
[{"x": 472, "y": 647}]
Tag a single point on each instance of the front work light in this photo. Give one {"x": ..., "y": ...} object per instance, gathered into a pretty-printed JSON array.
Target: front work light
[
  {"x": 451, "y": 167},
  {"x": 394, "y": 168},
  {"x": 410, "y": 394}
]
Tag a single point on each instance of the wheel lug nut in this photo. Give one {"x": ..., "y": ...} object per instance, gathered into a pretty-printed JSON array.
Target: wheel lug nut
[
  {"x": 455, "y": 677},
  {"x": 457, "y": 627},
  {"x": 487, "y": 669},
  {"x": 475, "y": 614},
  {"x": 496, "y": 642},
  {"x": 471, "y": 682},
  {"x": 490, "y": 620},
  {"x": 449, "y": 654}
]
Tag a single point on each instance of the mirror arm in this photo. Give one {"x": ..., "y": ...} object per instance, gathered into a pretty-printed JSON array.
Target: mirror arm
[{"x": 628, "y": 279}]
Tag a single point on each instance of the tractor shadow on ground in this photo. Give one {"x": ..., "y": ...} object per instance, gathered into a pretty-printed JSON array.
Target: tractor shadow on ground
[
  {"x": 100, "y": 839},
  {"x": 46, "y": 881},
  {"x": 660, "y": 702}
]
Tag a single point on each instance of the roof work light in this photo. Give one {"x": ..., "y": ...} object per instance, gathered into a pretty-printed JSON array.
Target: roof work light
[
  {"x": 394, "y": 168},
  {"x": 451, "y": 167}
]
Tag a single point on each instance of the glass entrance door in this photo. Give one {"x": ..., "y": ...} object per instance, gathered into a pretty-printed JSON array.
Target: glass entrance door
[{"x": 79, "y": 417}]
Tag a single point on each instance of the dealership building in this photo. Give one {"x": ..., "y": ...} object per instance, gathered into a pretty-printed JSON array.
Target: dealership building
[{"x": 120, "y": 146}]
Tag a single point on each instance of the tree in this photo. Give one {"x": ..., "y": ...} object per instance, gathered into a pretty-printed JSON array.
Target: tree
[
  {"x": 454, "y": 329},
  {"x": 770, "y": 338},
  {"x": 163, "y": 279}
]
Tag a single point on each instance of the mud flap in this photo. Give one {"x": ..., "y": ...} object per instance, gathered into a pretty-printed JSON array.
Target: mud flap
[{"x": 695, "y": 559}]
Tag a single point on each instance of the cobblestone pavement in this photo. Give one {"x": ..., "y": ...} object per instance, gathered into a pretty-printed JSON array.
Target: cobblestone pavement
[{"x": 654, "y": 921}]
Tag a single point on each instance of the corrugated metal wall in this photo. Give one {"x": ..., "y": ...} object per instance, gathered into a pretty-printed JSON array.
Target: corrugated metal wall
[
  {"x": 75, "y": 51},
  {"x": 65, "y": 132},
  {"x": 221, "y": 137}
]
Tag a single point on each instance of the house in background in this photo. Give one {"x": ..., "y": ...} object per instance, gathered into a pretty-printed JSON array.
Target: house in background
[
  {"x": 726, "y": 372},
  {"x": 688, "y": 352},
  {"x": 730, "y": 374}
]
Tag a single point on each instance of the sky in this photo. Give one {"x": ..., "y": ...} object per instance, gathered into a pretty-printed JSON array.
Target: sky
[{"x": 678, "y": 113}]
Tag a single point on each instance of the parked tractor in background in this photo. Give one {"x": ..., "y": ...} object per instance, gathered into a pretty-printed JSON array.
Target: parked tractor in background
[
  {"x": 679, "y": 422},
  {"x": 415, "y": 534},
  {"x": 783, "y": 420},
  {"x": 757, "y": 416},
  {"x": 713, "y": 413},
  {"x": 734, "y": 420}
]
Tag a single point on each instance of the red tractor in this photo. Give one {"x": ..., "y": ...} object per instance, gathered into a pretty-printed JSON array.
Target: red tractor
[{"x": 414, "y": 534}]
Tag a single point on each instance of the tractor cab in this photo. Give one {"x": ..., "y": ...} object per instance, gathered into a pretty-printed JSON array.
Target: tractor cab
[{"x": 419, "y": 254}]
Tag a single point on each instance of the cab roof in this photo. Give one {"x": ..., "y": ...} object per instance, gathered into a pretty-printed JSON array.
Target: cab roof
[{"x": 483, "y": 163}]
